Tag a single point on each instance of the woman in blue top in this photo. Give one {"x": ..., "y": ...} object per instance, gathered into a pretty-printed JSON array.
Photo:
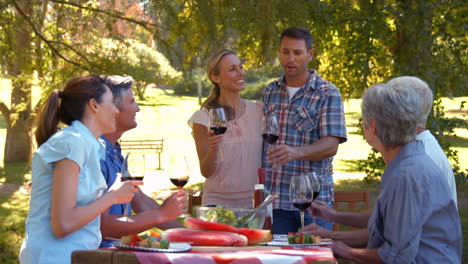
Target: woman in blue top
[{"x": 67, "y": 184}]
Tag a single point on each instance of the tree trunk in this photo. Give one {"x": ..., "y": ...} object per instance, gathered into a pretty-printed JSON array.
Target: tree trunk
[
  {"x": 18, "y": 143},
  {"x": 412, "y": 51}
]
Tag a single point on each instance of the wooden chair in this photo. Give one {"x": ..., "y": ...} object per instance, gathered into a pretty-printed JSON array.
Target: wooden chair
[{"x": 350, "y": 198}]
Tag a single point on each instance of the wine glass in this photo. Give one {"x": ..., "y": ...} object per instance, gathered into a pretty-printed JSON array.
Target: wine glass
[
  {"x": 300, "y": 193},
  {"x": 270, "y": 132},
  {"x": 133, "y": 168},
  {"x": 218, "y": 123},
  {"x": 179, "y": 174},
  {"x": 270, "y": 128},
  {"x": 316, "y": 182}
]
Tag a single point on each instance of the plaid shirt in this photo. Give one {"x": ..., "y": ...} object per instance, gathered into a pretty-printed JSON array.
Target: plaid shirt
[{"x": 315, "y": 111}]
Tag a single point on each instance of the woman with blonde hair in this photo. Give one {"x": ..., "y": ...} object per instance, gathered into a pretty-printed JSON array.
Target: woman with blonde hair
[
  {"x": 67, "y": 184},
  {"x": 229, "y": 161}
]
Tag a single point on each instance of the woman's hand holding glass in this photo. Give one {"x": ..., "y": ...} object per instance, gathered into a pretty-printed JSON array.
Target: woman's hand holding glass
[
  {"x": 218, "y": 124},
  {"x": 214, "y": 141},
  {"x": 124, "y": 191}
]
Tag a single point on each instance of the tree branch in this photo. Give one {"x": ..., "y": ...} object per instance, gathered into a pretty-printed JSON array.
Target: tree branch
[
  {"x": 71, "y": 48},
  {"x": 46, "y": 40},
  {"x": 5, "y": 112},
  {"x": 116, "y": 14}
]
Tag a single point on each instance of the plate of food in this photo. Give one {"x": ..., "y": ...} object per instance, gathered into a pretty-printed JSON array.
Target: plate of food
[
  {"x": 173, "y": 248},
  {"x": 298, "y": 240},
  {"x": 150, "y": 242}
]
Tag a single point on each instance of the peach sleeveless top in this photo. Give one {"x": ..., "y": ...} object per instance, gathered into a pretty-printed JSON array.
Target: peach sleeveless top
[{"x": 232, "y": 184}]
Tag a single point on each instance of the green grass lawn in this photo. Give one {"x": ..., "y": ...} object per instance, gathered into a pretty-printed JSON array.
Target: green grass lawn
[{"x": 165, "y": 116}]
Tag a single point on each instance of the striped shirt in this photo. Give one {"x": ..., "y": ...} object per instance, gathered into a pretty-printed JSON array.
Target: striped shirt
[{"x": 315, "y": 111}]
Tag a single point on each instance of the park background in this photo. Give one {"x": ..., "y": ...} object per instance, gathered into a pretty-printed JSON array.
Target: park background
[{"x": 164, "y": 45}]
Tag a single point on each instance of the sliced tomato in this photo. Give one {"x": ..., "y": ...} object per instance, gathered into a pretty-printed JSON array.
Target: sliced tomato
[
  {"x": 299, "y": 238},
  {"x": 135, "y": 239}
]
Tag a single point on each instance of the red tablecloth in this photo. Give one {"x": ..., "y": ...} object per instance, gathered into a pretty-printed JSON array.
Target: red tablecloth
[{"x": 285, "y": 255}]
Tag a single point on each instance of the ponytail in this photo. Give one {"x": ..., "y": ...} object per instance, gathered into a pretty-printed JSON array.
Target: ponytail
[
  {"x": 68, "y": 105},
  {"x": 212, "y": 100},
  {"x": 48, "y": 118}
]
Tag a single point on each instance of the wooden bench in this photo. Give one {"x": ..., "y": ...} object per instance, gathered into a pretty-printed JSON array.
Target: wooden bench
[
  {"x": 350, "y": 199},
  {"x": 150, "y": 145}
]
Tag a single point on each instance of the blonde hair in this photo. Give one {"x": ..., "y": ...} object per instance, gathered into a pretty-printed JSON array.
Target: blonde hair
[{"x": 212, "y": 101}]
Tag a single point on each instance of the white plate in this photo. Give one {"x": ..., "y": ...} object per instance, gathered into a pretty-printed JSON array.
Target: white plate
[
  {"x": 280, "y": 237},
  {"x": 286, "y": 244},
  {"x": 173, "y": 248},
  {"x": 282, "y": 241}
]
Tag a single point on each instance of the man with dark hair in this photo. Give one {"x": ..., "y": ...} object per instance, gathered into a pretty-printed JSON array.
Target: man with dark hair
[
  {"x": 312, "y": 125},
  {"x": 148, "y": 212}
]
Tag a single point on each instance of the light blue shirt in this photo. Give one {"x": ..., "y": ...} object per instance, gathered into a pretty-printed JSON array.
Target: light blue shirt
[
  {"x": 76, "y": 143},
  {"x": 415, "y": 219}
]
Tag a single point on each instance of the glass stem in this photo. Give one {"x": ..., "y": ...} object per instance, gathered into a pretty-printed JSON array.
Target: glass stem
[{"x": 126, "y": 211}]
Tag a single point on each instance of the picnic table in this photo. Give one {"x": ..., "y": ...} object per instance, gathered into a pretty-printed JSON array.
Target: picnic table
[{"x": 211, "y": 255}]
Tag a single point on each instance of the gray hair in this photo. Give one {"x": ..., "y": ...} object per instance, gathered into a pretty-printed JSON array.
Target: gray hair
[
  {"x": 119, "y": 85},
  {"x": 395, "y": 111},
  {"x": 421, "y": 88}
]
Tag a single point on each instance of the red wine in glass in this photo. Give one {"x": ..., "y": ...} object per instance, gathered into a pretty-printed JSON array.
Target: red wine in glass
[
  {"x": 300, "y": 194},
  {"x": 218, "y": 130},
  {"x": 270, "y": 138},
  {"x": 179, "y": 182},
  {"x": 316, "y": 194},
  {"x": 218, "y": 123},
  {"x": 302, "y": 205}
]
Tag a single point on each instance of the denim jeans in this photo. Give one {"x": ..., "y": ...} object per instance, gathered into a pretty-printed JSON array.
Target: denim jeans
[{"x": 285, "y": 221}]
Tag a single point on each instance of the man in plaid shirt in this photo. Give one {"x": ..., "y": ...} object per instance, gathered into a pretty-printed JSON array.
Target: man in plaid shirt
[{"x": 311, "y": 125}]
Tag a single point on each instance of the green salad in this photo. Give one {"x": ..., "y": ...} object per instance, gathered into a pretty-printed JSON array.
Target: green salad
[{"x": 225, "y": 216}]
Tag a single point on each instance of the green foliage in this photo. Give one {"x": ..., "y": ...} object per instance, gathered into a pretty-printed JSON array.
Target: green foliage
[
  {"x": 133, "y": 58},
  {"x": 13, "y": 211},
  {"x": 374, "y": 166},
  {"x": 257, "y": 78},
  {"x": 357, "y": 43}
]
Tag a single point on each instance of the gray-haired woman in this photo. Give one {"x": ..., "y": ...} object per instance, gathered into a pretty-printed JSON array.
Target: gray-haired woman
[{"x": 415, "y": 219}]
